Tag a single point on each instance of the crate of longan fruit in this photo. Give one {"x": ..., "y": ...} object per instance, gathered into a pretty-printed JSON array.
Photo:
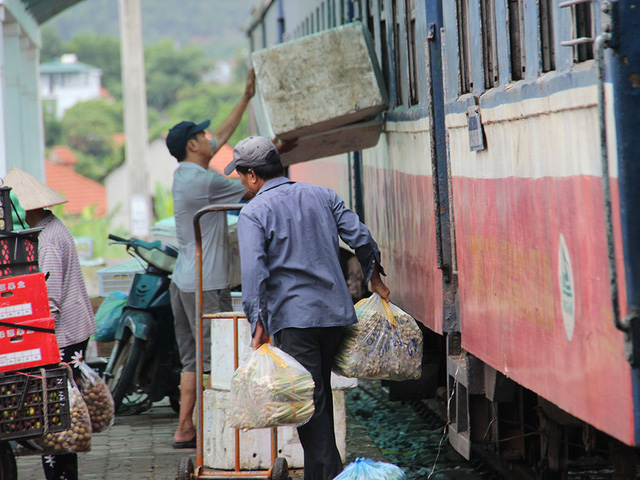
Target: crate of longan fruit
[{"x": 33, "y": 402}]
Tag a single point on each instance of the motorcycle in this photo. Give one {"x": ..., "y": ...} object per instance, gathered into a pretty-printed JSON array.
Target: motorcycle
[{"x": 144, "y": 365}]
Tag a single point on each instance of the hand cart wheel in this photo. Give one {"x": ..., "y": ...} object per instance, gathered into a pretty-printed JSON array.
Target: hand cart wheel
[
  {"x": 279, "y": 470},
  {"x": 185, "y": 469}
]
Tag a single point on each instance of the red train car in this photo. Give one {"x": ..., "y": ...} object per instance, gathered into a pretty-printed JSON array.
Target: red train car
[{"x": 502, "y": 194}]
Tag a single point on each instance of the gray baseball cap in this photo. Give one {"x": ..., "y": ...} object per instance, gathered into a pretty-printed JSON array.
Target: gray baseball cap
[{"x": 253, "y": 152}]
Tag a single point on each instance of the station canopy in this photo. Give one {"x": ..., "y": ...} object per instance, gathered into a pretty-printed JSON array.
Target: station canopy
[{"x": 43, "y": 10}]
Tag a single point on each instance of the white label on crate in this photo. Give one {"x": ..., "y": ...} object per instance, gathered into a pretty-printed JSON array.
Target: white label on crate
[
  {"x": 22, "y": 310},
  {"x": 26, "y": 356}
]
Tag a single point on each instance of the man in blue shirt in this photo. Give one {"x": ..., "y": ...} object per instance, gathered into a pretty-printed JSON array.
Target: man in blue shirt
[{"x": 293, "y": 287}]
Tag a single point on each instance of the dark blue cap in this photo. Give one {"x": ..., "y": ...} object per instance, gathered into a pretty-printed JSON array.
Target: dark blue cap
[{"x": 180, "y": 134}]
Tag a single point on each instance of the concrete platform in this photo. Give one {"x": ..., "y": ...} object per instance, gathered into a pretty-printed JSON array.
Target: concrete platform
[{"x": 139, "y": 447}]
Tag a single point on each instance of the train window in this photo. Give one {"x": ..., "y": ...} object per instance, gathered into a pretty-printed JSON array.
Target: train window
[
  {"x": 371, "y": 20},
  {"x": 396, "y": 48},
  {"x": 410, "y": 9},
  {"x": 547, "y": 48},
  {"x": 583, "y": 25},
  {"x": 516, "y": 38},
  {"x": 489, "y": 45},
  {"x": 464, "y": 58},
  {"x": 386, "y": 70}
]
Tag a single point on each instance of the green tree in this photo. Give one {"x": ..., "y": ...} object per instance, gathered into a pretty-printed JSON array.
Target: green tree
[
  {"x": 53, "y": 45},
  {"x": 102, "y": 52},
  {"x": 169, "y": 70},
  {"x": 207, "y": 101},
  {"x": 52, "y": 126},
  {"x": 88, "y": 128}
]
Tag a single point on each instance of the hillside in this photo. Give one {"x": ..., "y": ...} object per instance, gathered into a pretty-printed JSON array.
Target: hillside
[{"x": 215, "y": 25}]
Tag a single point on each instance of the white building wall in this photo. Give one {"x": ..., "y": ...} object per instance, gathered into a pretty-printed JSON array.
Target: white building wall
[{"x": 70, "y": 88}]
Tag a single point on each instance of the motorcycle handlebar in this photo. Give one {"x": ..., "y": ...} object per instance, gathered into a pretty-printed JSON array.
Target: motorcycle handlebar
[{"x": 118, "y": 239}]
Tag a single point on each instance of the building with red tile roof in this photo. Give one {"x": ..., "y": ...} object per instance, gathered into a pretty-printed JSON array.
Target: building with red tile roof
[{"x": 80, "y": 191}]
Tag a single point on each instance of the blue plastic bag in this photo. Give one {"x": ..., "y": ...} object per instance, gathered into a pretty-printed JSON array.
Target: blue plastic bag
[
  {"x": 108, "y": 315},
  {"x": 366, "y": 469}
]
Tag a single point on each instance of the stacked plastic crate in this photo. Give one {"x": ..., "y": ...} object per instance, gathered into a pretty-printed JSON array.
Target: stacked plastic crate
[{"x": 32, "y": 400}]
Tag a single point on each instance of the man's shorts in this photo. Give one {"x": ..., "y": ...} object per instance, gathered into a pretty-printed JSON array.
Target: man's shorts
[{"x": 183, "y": 305}]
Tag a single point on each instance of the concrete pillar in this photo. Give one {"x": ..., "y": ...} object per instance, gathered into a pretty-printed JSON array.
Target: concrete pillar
[
  {"x": 135, "y": 115},
  {"x": 12, "y": 101},
  {"x": 32, "y": 135},
  {"x": 3, "y": 141}
]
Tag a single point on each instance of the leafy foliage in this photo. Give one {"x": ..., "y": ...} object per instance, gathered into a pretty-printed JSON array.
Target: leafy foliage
[
  {"x": 96, "y": 228},
  {"x": 53, "y": 45},
  {"x": 88, "y": 128},
  {"x": 162, "y": 202},
  {"x": 168, "y": 70},
  {"x": 216, "y": 26}
]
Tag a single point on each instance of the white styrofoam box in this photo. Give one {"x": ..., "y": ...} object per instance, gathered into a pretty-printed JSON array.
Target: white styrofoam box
[
  {"x": 119, "y": 277},
  {"x": 255, "y": 445},
  {"x": 318, "y": 82},
  {"x": 348, "y": 138},
  {"x": 222, "y": 349},
  {"x": 222, "y": 353}
]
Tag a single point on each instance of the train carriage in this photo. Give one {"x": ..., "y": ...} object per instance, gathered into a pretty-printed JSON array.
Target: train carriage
[{"x": 501, "y": 193}]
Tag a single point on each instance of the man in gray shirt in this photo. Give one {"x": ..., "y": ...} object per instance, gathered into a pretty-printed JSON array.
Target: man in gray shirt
[
  {"x": 292, "y": 284},
  {"x": 195, "y": 187}
]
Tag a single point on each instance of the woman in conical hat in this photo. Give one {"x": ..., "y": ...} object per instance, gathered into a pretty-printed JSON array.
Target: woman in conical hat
[{"x": 68, "y": 299}]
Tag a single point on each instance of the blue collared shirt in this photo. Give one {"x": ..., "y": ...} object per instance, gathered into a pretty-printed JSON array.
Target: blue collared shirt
[{"x": 289, "y": 250}]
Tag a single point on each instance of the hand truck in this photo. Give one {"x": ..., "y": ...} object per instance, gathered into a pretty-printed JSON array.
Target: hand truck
[{"x": 186, "y": 471}]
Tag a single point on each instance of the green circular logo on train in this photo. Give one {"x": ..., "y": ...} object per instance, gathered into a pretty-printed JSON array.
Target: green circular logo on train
[{"x": 567, "y": 288}]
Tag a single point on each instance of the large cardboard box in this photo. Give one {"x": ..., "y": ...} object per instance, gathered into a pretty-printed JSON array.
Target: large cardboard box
[
  {"x": 22, "y": 348},
  {"x": 318, "y": 83}
]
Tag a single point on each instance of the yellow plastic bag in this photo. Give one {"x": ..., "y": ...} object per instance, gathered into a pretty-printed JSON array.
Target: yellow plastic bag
[
  {"x": 269, "y": 389},
  {"x": 385, "y": 344}
]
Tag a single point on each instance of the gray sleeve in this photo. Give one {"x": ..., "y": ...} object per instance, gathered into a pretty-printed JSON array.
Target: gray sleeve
[{"x": 224, "y": 190}]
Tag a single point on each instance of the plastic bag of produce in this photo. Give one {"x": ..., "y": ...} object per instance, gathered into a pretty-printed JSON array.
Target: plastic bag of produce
[
  {"x": 97, "y": 396},
  {"x": 385, "y": 344},
  {"x": 74, "y": 440},
  {"x": 270, "y": 389},
  {"x": 108, "y": 315},
  {"x": 365, "y": 469}
]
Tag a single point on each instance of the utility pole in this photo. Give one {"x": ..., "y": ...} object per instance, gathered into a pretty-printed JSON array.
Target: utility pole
[{"x": 135, "y": 116}]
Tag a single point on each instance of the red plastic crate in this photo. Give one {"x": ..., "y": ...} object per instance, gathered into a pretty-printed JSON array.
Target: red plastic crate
[
  {"x": 24, "y": 298},
  {"x": 23, "y": 348}
]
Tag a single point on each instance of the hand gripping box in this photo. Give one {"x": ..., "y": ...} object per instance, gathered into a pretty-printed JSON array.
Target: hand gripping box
[
  {"x": 318, "y": 83},
  {"x": 27, "y": 344},
  {"x": 24, "y": 298}
]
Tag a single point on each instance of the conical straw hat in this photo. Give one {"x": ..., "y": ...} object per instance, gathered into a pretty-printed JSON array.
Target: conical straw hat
[{"x": 31, "y": 192}]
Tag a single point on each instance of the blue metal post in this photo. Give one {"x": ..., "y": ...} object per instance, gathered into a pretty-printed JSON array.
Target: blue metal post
[{"x": 625, "y": 76}]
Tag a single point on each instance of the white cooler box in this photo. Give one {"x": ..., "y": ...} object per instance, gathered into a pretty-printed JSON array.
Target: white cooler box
[{"x": 255, "y": 445}]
